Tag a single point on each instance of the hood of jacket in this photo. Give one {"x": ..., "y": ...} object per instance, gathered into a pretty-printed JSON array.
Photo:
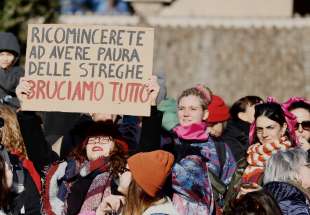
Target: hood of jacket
[
  {"x": 282, "y": 191},
  {"x": 8, "y": 42},
  {"x": 290, "y": 198},
  {"x": 238, "y": 129}
]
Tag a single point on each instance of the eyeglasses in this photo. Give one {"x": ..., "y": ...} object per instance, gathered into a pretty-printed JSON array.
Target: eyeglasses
[
  {"x": 99, "y": 140},
  {"x": 304, "y": 124}
]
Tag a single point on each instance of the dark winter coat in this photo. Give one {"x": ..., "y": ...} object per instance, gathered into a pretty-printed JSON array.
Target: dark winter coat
[
  {"x": 56, "y": 124},
  {"x": 236, "y": 136},
  {"x": 9, "y": 79},
  {"x": 292, "y": 201}
]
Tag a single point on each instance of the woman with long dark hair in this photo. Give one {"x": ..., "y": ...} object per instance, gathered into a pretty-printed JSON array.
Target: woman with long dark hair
[{"x": 272, "y": 131}]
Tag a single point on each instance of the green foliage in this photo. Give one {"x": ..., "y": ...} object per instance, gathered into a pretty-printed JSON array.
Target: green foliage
[{"x": 15, "y": 15}]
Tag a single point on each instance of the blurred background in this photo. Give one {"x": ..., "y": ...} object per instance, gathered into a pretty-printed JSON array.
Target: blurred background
[{"x": 236, "y": 47}]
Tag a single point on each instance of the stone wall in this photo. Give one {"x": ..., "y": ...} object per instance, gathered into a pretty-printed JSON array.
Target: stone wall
[
  {"x": 235, "y": 62},
  {"x": 235, "y": 57}
]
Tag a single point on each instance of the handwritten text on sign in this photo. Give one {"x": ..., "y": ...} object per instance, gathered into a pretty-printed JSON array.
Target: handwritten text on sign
[{"x": 79, "y": 68}]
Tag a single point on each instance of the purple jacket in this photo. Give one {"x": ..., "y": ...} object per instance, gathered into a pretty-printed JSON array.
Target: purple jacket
[{"x": 291, "y": 200}]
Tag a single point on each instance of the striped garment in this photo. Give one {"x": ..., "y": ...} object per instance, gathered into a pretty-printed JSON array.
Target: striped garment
[{"x": 258, "y": 155}]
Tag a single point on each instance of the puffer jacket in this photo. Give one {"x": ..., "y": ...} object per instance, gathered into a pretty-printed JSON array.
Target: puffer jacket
[{"x": 290, "y": 198}]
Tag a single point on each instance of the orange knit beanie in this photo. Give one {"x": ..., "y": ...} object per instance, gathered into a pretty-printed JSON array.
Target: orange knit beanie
[{"x": 150, "y": 169}]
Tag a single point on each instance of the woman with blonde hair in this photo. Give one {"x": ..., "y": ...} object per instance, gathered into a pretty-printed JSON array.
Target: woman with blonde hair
[{"x": 198, "y": 156}]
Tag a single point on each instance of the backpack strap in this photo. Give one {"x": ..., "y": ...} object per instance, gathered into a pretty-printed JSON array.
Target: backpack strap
[
  {"x": 221, "y": 153},
  {"x": 218, "y": 187}
]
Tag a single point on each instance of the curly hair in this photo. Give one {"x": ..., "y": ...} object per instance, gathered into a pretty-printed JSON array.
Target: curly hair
[
  {"x": 11, "y": 135},
  {"x": 117, "y": 156}
]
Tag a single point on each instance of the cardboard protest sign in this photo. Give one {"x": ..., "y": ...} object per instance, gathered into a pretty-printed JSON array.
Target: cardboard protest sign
[{"x": 82, "y": 68}]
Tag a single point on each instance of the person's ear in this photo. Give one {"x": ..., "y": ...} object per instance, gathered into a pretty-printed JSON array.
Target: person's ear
[{"x": 205, "y": 115}]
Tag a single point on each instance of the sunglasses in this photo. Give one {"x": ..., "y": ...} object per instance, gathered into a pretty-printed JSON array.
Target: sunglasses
[{"x": 305, "y": 125}]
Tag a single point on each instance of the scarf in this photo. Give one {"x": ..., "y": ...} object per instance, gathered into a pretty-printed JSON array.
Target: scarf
[
  {"x": 98, "y": 190},
  {"x": 258, "y": 155},
  {"x": 60, "y": 178},
  {"x": 195, "y": 131}
]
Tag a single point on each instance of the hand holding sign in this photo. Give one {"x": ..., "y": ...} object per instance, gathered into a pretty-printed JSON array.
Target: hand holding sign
[
  {"x": 23, "y": 89},
  {"x": 152, "y": 87}
]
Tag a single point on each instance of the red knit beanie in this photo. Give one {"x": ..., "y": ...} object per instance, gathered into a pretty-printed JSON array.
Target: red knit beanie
[
  {"x": 218, "y": 110},
  {"x": 150, "y": 169}
]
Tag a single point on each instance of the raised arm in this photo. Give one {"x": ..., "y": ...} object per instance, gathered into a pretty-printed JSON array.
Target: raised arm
[
  {"x": 38, "y": 150},
  {"x": 151, "y": 126}
]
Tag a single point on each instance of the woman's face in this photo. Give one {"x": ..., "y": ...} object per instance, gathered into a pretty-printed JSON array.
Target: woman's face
[
  {"x": 190, "y": 110},
  {"x": 6, "y": 59},
  {"x": 8, "y": 175},
  {"x": 302, "y": 115},
  {"x": 124, "y": 181},
  {"x": 99, "y": 146},
  {"x": 268, "y": 131},
  {"x": 304, "y": 175}
]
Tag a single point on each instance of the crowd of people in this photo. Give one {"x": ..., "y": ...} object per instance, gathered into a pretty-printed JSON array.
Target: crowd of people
[{"x": 193, "y": 155}]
